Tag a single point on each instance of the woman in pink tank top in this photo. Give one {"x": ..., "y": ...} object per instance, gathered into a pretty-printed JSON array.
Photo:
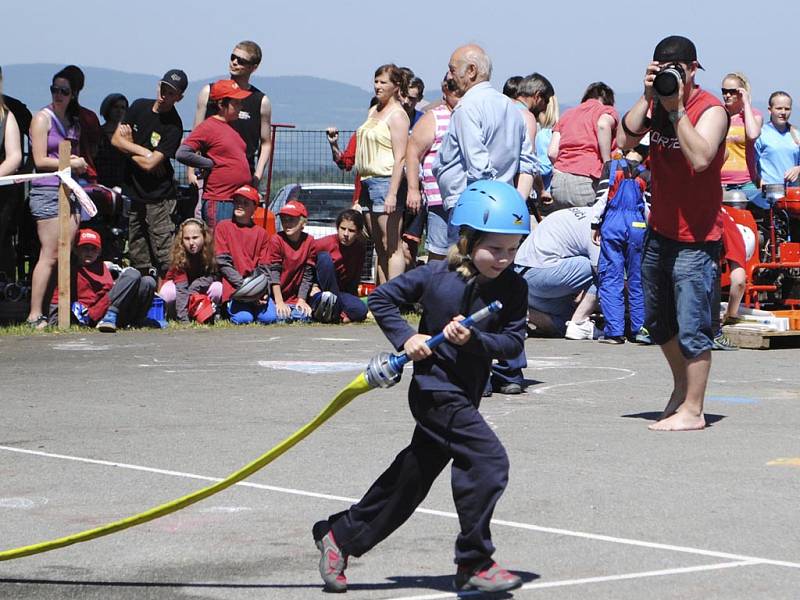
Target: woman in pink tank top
[
  {"x": 56, "y": 122},
  {"x": 423, "y": 146}
]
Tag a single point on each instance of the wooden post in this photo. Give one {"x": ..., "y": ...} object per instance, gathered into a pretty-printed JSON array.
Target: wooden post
[{"x": 64, "y": 241}]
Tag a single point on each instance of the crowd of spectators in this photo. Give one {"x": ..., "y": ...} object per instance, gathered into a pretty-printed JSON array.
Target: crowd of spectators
[{"x": 410, "y": 166}]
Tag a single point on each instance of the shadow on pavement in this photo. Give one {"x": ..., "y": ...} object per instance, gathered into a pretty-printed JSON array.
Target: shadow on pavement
[
  {"x": 654, "y": 416},
  {"x": 436, "y": 582}
]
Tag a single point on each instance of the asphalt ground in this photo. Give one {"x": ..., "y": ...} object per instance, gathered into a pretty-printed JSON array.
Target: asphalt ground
[{"x": 94, "y": 428}]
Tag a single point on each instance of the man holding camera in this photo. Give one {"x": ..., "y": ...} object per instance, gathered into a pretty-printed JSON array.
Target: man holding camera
[{"x": 687, "y": 127}]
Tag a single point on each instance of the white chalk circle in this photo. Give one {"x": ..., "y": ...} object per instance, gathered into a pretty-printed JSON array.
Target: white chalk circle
[
  {"x": 310, "y": 366},
  {"x": 22, "y": 503}
]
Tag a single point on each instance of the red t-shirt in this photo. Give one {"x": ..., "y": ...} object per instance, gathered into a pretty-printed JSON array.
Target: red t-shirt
[
  {"x": 733, "y": 241},
  {"x": 90, "y": 286},
  {"x": 292, "y": 259},
  {"x": 685, "y": 204},
  {"x": 218, "y": 141},
  {"x": 348, "y": 260},
  {"x": 245, "y": 244},
  {"x": 578, "y": 150}
]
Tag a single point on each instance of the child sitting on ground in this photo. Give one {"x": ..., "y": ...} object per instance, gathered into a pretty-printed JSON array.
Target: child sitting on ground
[
  {"x": 291, "y": 257},
  {"x": 96, "y": 298},
  {"x": 241, "y": 252},
  {"x": 191, "y": 280},
  {"x": 340, "y": 258}
]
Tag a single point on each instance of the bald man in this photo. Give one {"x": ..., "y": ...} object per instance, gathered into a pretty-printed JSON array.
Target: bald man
[{"x": 487, "y": 137}]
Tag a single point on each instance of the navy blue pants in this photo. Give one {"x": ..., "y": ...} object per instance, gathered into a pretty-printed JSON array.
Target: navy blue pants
[
  {"x": 130, "y": 296},
  {"x": 449, "y": 427},
  {"x": 346, "y": 303}
]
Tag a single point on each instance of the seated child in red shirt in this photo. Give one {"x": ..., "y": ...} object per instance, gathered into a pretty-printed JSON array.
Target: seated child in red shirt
[
  {"x": 291, "y": 256},
  {"x": 192, "y": 274},
  {"x": 340, "y": 259},
  {"x": 96, "y": 298},
  {"x": 241, "y": 251}
]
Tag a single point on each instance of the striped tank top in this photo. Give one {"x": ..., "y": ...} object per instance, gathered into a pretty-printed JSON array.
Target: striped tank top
[{"x": 430, "y": 188}]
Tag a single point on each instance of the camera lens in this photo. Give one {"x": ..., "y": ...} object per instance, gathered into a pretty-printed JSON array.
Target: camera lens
[{"x": 667, "y": 82}]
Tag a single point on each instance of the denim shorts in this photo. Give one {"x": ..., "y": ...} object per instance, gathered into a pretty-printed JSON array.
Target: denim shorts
[
  {"x": 678, "y": 281},
  {"x": 552, "y": 290},
  {"x": 441, "y": 235},
  {"x": 43, "y": 200},
  {"x": 373, "y": 194}
]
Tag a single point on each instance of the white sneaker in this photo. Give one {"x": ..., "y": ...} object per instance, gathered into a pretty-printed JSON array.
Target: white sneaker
[{"x": 580, "y": 330}]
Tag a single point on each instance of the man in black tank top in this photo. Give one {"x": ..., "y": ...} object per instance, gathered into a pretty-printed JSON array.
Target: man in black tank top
[{"x": 255, "y": 117}]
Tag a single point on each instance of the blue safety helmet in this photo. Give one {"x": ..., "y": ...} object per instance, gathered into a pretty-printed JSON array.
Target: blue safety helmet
[{"x": 492, "y": 207}]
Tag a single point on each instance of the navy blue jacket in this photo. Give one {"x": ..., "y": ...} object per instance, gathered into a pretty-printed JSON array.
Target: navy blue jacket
[{"x": 444, "y": 294}]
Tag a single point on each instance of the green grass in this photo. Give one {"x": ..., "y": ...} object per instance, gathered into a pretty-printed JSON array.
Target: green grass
[{"x": 21, "y": 329}]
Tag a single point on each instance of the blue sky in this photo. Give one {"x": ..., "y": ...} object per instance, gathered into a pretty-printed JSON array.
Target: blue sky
[{"x": 572, "y": 42}]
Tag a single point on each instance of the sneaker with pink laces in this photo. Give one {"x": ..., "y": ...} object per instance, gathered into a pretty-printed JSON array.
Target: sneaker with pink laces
[
  {"x": 332, "y": 562},
  {"x": 489, "y": 577}
]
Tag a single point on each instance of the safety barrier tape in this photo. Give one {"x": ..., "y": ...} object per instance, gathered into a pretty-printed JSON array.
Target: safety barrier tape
[{"x": 65, "y": 175}]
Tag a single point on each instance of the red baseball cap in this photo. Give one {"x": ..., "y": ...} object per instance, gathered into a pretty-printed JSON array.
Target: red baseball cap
[
  {"x": 293, "y": 208},
  {"x": 249, "y": 192},
  {"x": 89, "y": 237},
  {"x": 227, "y": 88}
]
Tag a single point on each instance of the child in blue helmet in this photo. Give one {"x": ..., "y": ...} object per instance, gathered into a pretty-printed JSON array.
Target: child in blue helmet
[{"x": 445, "y": 391}]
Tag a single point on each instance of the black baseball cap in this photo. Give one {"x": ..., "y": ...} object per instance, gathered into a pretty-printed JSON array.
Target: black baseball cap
[
  {"x": 177, "y": 79},
  {"x": 676, "y": 48}
]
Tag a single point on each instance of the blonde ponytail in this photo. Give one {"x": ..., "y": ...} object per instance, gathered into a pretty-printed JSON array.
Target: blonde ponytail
[{"x": 459, "y": 256}]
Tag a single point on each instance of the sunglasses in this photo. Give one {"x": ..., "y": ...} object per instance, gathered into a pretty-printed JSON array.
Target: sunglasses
[
  {"x": 242, "y": 61},
  {"x": 729, "y": 91},
  {"x": 54, "y": 89}
]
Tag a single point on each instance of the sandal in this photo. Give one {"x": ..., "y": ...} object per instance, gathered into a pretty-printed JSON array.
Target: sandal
[{"x": 38, "y": 323}]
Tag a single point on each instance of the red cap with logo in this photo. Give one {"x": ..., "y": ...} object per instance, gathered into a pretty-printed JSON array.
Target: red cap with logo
[
  {"x": 293, "y": 208},
  {"x": 89, "y": 237},
  {"x": 249, "y": 192},
  {"x": 227, "y": 88}
]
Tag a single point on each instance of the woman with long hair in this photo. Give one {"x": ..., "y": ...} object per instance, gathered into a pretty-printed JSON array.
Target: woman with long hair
[
  {"x": 380, "y": 151},
  {"x": 739, "y": 170},
  {"x": 56, "y": 122},
  {"x": 192, "y": 268},
  {"x": 547, "y": 120}
]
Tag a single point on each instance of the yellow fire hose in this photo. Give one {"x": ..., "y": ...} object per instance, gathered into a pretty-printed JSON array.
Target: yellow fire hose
[
  {"x": 384, "y": 370},
  {"x": 356, "y": 387}
]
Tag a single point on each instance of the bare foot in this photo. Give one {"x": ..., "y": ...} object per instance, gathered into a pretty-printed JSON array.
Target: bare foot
[
  {"x": 680, "y": 421},
  {"x": 675, "y": 400}
]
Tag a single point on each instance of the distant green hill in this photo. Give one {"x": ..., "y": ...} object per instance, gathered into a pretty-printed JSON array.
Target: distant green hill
[{"x": 306, "y": 102}]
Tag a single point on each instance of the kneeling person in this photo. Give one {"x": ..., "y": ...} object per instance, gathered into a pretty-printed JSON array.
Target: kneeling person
[
  {"x": 291, "y": 256},
  {"x": 241, "y": 252}
]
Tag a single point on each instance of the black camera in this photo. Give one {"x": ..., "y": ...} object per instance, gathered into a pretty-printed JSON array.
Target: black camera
[{"x": 668, "y": 79}]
